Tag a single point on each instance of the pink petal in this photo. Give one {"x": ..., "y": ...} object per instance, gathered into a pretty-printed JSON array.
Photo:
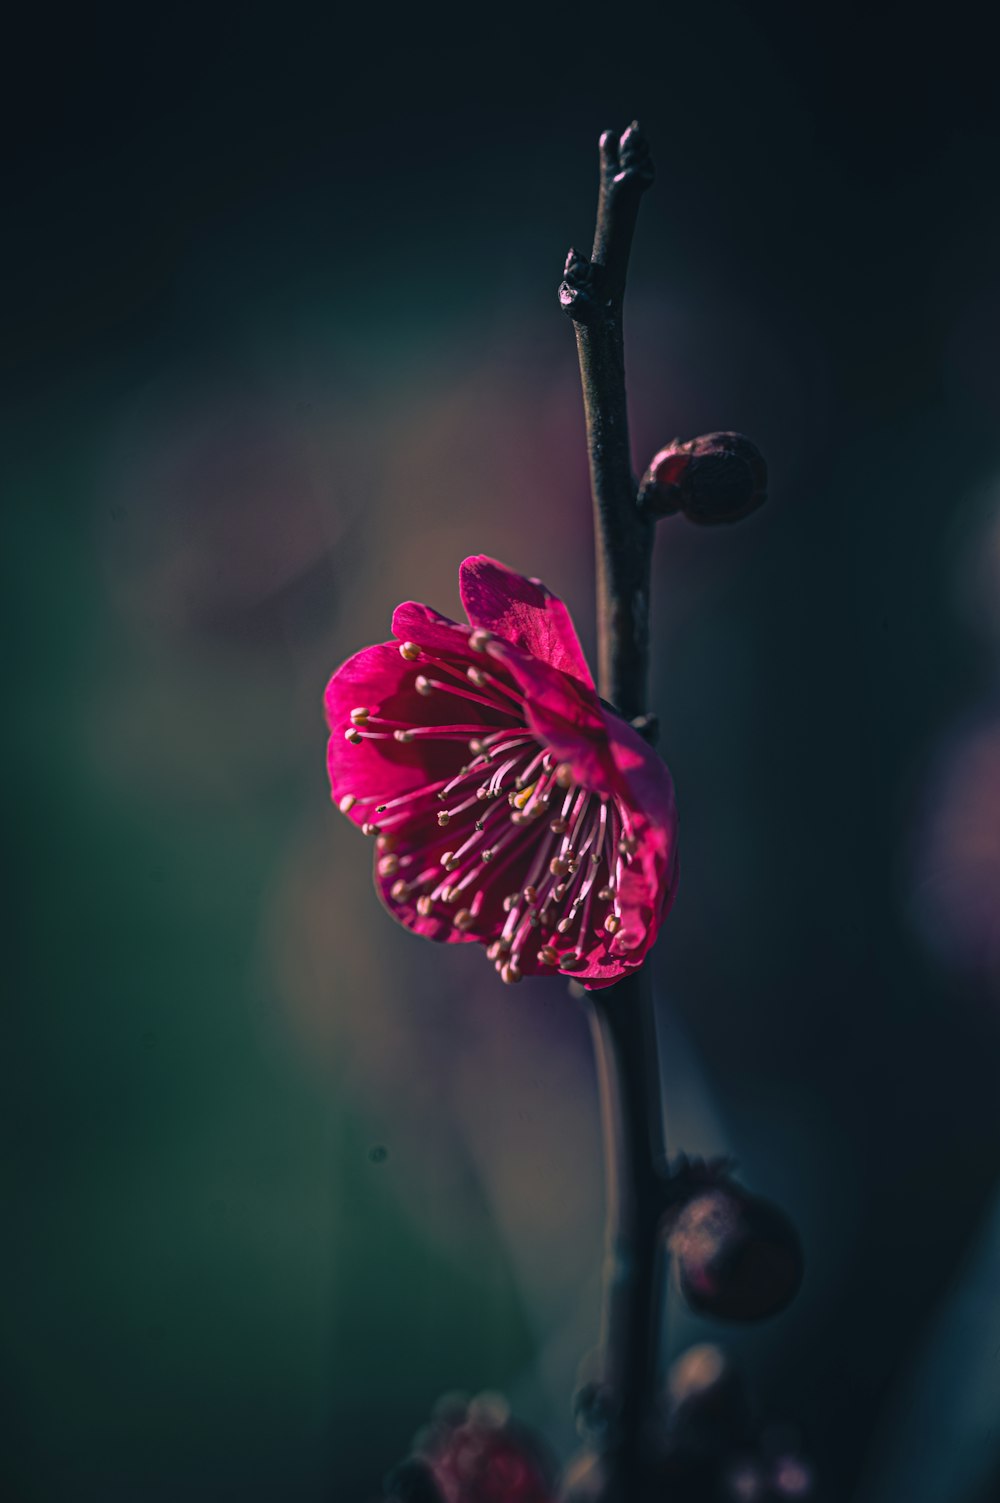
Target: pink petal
[
  {"x": 643, "y": 777},
  {"x": 562, "y": 713},
  {"x": 382, "y": 681},
  {"x": 524, "y": 612},
  {"x": 413, "y": 622}
]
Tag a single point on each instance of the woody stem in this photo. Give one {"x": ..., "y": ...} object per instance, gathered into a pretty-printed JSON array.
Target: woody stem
[{"x": 622, "y": 1020}]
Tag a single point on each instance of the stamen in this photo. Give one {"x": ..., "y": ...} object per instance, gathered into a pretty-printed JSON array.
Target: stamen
[
  {"x": 410, "y": 651},
  {"x": 347, "y": 803},
  {"x": 423, "y": 685},
  {"x": 360, "y": 715},
  {"x": 511, "y": 973},
  {"x": 353, "y": 735}
]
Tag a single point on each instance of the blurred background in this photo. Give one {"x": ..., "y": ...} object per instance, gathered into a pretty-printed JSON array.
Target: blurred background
[{"x": 281, "y": 347}]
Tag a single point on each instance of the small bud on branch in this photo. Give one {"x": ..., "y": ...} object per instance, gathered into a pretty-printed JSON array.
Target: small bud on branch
[{"x": 719, "y": 477}]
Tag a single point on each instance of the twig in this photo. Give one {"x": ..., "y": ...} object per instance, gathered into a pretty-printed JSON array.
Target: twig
[
  {"x": 592, "y": 293},
  {"x": 621, "y": 1018}
]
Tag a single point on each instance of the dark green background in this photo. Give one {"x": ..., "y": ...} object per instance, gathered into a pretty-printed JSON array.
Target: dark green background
[{"x": 281, "y": 347}]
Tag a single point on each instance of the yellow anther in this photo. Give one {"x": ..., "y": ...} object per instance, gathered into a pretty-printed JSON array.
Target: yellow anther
[
  {"x": 520, "y": 799},
  {"x": 612, "y": 923}
]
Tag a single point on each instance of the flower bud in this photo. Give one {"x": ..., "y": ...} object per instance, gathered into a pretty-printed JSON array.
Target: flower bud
[
  {"x": 719, "y": 477},
  {"x": 736, "y": 1257}
]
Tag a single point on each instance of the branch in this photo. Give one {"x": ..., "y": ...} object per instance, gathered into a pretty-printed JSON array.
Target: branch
[{"x": 592, "y": 293}]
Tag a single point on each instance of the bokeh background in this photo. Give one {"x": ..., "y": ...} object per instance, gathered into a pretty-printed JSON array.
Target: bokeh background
[{"x": 281, "y": 347}]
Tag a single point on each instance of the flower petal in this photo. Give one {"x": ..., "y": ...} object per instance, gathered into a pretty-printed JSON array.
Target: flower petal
[
  {"x": 413, "y": 622},
  {"x": 524, "y": 612}
]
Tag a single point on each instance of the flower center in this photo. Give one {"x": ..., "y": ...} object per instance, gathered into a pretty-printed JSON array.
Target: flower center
[{"x": 506, "y": 846}]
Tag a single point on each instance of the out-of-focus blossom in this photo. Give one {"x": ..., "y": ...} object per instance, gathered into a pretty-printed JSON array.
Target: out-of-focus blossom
[
  {"x": 474, "y": 1453},
  {"x": 511, "y": 807}
]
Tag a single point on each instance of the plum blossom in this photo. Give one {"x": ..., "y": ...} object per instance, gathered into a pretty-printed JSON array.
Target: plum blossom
[{"x": 510, "y": 806}]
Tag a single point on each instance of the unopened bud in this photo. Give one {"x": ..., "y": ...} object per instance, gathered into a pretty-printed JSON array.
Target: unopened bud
[
  {"x": 719, "y": 477},
  {"x": 736, "y": 1257}
]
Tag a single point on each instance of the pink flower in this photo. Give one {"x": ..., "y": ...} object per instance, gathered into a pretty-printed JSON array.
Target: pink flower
[{"x": 511, "y": 808}]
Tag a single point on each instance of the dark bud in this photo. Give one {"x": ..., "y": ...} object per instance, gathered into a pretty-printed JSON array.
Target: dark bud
[
  {"x": 736, "y": 1257},
  {"x": 578, "y": 290},
  {"x": 720, "y": 477},
  {"x": 594, "y": 1410}
]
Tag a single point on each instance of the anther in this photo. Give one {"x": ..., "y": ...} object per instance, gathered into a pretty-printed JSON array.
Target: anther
[
  {"x": 449, "y": 861},
  {"x": 558, "y": 826},
  {"x": 424, "y": 905},
  {"x": 572, "y": 961},
  {"x": 388, "y": 866},
  {"x": 547, "y": 955},
  {"x": 410, "y": 651},
  {"x": 360, "y": 715},
  {"x": 478, "y": 748},
  {"x": 558, "y": 867},
  {"x": 482, "y": 792},
  {"x": 423, "y": 685},
  {"x": 564, "y": 775},
  {"x": 385, "y": 843},
  {"x": 476, "y": 676},
  {"x": 443, "y": 817},
  {"x": 530, "y": 894},
  {"x": 353, "y": 736},
  {"x": 511, "y": 973},
  {"x": 403, "y": 735},
  {"x": 605, "y": 894},
  {"x": 347, "y": 803},
  {"x": 463, "y": 919},
  {"x": 479, "y": 639},
  {"x": 399, "y": 890},
  {"x": 612, "y": 923},
  {"x": 369, "y": 829},
  {"x": 488, "y": 855}
]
